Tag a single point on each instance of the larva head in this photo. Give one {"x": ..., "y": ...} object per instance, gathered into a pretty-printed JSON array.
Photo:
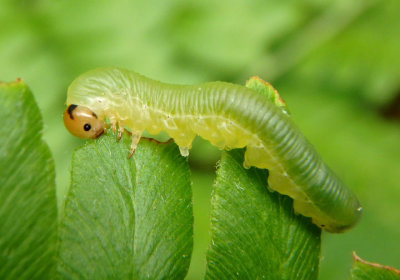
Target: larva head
[{"x": 83, "y": 122}]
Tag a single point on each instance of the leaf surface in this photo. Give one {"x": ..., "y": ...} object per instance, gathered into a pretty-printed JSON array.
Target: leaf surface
[
  {"x": 127, "y": 218},
  {"x": 28, "y": 213},
  {"x": 254, "y": 233},
  {"x": 363, "y": 270}
]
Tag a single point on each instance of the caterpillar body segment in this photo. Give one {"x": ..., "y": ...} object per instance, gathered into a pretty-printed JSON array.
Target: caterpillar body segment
[{"x": 229, "y": 116}]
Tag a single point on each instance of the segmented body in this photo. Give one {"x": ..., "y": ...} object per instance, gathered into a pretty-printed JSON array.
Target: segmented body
[{"x": 229, "y": 116}]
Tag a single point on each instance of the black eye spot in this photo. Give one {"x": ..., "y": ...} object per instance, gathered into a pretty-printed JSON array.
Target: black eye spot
[
  {"x": 71, "y": 108},
  {"x": 87, "y": 127}
]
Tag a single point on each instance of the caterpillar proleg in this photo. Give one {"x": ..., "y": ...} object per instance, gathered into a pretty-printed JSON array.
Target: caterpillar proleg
[{"x": 229, "y": 116}]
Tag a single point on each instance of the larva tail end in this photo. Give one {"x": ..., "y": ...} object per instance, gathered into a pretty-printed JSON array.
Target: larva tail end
[{"x": 329, "y": 223}]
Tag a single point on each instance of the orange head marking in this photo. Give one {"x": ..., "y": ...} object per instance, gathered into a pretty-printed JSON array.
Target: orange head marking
[{"x": 82, "y": 122}]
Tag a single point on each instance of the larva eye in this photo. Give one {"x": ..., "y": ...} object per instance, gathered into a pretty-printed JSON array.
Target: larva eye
[
  {"x": 83, "y": 122},
  {"x": 87, "y": 127}
]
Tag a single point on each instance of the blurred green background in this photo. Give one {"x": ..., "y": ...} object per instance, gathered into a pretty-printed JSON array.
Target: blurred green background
[{"x": 335, "y": 62}]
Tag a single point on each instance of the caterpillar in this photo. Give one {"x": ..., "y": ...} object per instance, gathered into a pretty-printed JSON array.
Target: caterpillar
[{"x": 229, "y": 116}]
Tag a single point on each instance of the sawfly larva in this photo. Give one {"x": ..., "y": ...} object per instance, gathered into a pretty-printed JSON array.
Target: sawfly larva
[{"x": 229, "y": 116}]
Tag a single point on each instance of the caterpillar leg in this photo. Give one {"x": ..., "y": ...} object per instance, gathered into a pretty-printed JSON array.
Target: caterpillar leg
[
  {"x": 113, "y": 123},
  {"x": 184, "y": 141},
  {"x": 184, "y": 144},
  {"x": 184, "y": 151},
  {"x": 135, "y": 137},
  {"x": 120, "y": 131}
]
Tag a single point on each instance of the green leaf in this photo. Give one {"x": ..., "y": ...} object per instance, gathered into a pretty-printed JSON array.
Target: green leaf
[
  {"x": 28, "y": 213},
  {"x": 127, "y": 218},
  {"x": 254, "y": 233},
  {"x": 363, "y": 270},
  {"x": 267, "y": 90}
]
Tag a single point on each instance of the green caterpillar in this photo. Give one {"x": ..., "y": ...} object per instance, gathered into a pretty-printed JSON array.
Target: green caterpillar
[{"x": 229, "y": 116}]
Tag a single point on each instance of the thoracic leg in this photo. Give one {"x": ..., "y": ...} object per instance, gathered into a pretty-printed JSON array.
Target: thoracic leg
[
  {"x": 120, "y": 131},
  {"x": 135, "y": 137}
]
